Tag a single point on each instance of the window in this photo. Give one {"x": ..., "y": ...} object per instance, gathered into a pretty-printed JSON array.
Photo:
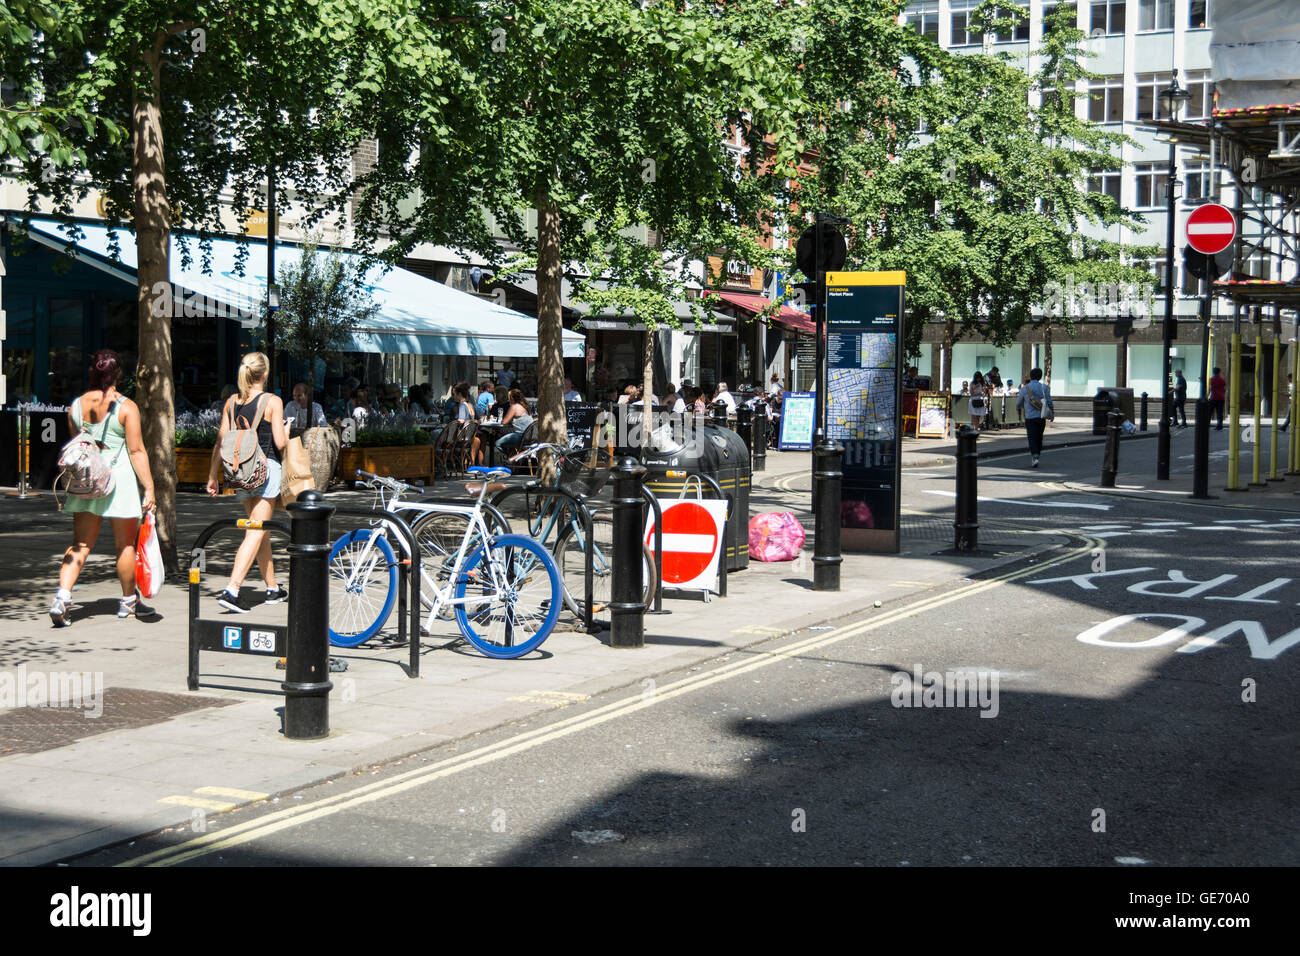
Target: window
[
  {"x": 1149, "y": 86},
  {"x": 1107, "y": 181},
  {"x": 1156, "y": 15},
  {"x": 1107, "y": 16},
  {"x": 1018, "y": 31},
  {"x": 1202, "y": 90},
  {"x": 1260, "y": 266},
  {"x": 1050, "y": 8},
  {"x": 962, "y": 34},
  {"x": 1106, "y": 100},
  {"x": 1191, "y": 284},
  {"x": 1198, "y": 14},
  {"x": 924, "y": 19},
  {"x": 1152, "y": 180},
  {"x": 1078, "y": 370},
  {"x": 1199, "y": 183},
  {"x": 1156, "y": 267}
]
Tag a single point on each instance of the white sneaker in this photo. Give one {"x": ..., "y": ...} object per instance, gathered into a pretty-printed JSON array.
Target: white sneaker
[{"x": 1035, "y": 461}]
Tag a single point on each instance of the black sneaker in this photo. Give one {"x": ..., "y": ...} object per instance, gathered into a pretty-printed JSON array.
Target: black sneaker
[
  {"x": 277, "y": 596},
  {"x": 232, "y": 602}
]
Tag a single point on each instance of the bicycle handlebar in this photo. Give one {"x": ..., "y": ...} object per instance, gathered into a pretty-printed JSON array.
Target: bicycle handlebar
[{"x": 391, "y": 483}]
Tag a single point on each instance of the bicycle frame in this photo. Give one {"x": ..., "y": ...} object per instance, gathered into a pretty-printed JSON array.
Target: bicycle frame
[{"x": 476, "y": 525}]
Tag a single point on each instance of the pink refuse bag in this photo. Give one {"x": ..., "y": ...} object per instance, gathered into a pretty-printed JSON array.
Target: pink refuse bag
[{"x": 775, "y": 536}]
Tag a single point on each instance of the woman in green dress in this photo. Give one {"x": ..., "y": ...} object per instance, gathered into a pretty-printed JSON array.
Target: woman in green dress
[{"x": 123, "y": 448}]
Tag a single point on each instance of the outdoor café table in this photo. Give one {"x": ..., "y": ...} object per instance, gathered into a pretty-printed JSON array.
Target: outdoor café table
[{"x": 489, "y": 430}]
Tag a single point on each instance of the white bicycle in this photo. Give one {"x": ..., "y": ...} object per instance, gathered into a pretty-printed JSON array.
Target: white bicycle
[{"x": 504, "y": 590}]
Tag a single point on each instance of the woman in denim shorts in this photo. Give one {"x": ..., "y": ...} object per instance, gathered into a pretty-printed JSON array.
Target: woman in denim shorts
[{"x": 259, "y": 503}]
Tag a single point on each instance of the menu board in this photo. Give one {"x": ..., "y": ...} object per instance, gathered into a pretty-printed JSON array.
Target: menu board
[
  {"x": 580, "y": 419},
  {"x": 932, "y": 415},
  {"x": 864, "y": 323},
  {"x": 797, "y": 419}
]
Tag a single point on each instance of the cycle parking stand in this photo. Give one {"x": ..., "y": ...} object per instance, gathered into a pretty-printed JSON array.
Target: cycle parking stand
[
  {"x": 260, "y": 640},
  {"x": 408, "y": 581},
  {"x": 584, "y": 516},
  {"x": 653, "y": 502}
]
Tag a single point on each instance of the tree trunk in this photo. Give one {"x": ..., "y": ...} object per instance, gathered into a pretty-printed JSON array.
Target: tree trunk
[
  {"x": 155, "y": 391},
  {"x": 1047, "y": 354},
  {"x": 949, "y": 334},
  {"x": 552, "y": 426}
]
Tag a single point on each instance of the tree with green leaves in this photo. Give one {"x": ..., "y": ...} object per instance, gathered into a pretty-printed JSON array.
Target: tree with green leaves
[
  {"x": 945, "y": 166},
  {"x": 323, "y": 300},
  {"x": 213, "y": 95},
  {"x": 607, "y": 118}
]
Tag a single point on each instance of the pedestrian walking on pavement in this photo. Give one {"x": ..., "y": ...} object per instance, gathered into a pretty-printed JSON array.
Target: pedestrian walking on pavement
[
  {"x": 1218, "y": 393},
  {"x": 978, "y": 403},
  {"x": 1035, "y": 404},
  {"x": 254, "y": 404},
  {"x": 1180, "y": 400},
  {"x": 113, "y": 420}
]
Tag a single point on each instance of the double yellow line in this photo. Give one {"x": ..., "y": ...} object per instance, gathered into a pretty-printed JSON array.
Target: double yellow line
[{"x": 754, "y": 659}]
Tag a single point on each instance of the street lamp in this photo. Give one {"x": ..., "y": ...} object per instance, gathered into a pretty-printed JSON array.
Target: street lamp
[{"x": 1172, "y": 99}]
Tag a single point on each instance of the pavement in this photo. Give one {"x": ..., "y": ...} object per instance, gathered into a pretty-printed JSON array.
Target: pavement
[{"x": 146, "y": 754}]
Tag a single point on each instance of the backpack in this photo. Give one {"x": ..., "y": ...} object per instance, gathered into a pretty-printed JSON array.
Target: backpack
[
  {"x": 243, "y": 463},
  {"x": 83, "y": 466}
]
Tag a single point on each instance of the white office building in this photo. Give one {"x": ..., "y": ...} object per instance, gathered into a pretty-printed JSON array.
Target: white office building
[{"x": 1137, "y": 46}]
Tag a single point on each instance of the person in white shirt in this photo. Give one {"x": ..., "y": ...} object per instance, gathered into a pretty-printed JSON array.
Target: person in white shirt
[
  {"x": 296, "y": 414},
  {"x": 674, "y": 401},
  {"x": 724, "y": 396},
  {"x": 571, "y": 394}
]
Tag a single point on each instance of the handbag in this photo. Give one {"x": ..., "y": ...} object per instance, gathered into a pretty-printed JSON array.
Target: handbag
[{"x": 296, "y": 477}]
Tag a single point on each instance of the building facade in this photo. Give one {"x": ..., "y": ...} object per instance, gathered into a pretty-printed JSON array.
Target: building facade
[{"x": 1137, "y": 46}]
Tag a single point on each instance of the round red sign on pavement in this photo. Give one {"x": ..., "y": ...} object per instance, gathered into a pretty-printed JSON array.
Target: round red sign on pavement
[
  {"x": 1211, "y": 228},
  {"x": 690, "y": 541}
]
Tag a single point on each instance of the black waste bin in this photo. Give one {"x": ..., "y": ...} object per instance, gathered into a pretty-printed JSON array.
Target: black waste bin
[
  {"x": 693, "y": 447},
  {"x": 1102, "y": 403}
]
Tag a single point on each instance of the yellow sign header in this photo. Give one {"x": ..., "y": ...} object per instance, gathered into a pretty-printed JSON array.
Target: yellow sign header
[{"x": 866, "y": 278}]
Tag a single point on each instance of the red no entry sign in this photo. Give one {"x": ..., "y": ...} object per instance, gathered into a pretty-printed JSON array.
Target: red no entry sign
[
  {"x": 1211, "y": 228},
  {"x": 690, "y": 537}
]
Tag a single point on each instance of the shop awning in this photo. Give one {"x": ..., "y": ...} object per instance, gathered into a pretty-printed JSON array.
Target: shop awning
[
  {"x": 416, "y": 315},
  {"x": 754, "y": 303}
]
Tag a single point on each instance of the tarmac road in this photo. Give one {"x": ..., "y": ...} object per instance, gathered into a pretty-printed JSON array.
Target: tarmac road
[{"x": 1127, "y": 699}]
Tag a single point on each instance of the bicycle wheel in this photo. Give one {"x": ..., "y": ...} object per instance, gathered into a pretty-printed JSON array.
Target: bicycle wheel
[
  {"x": 362, "y": 587},
  {"x": 439, "y": 534},
  {"x": 516, "y": 620},
  {"x": 569, "y": 558}
]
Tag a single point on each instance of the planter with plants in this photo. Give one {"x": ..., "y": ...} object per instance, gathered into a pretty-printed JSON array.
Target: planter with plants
[
  {"x": 196, "y": 436},
  {"x": 389, "y": 445}
]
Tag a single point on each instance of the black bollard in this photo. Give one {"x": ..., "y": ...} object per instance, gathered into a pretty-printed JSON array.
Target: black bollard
[
  {"x": 719, "y": 413},
  {"x": 307, "y": 685},
  {"x": 826, "y": 516},
  {"x": 760, "y": 437},
  {"x": 1201, "y": 451},
  {"x": 967, "y": 512},
  {"x": 745, "y": 428},
  {"x": 1143, "y": 426},
  {"x": 1110, "y": 459},
  {"x": 627, "y": 613}
]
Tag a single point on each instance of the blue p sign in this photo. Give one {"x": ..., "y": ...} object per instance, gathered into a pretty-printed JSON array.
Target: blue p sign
[{"x": 230, "y": 638}]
